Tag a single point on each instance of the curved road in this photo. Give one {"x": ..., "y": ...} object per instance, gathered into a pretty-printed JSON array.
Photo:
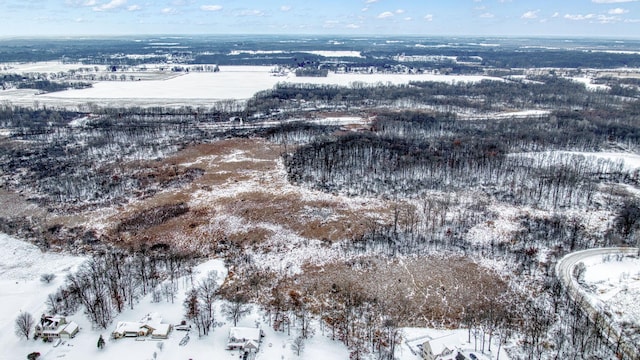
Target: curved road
[{"x": 564, "y": 271}]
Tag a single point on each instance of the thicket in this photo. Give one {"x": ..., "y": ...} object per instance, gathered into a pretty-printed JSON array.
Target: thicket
[
  {"x": 115, "y": 280},
  {"x": 548, "y": 92},
  {"x": 408, "y": 154},
  {"x": 88, "y": 163},
  {"x": 39, "y": 82}
]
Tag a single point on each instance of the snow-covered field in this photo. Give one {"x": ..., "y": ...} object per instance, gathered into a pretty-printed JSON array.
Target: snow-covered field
[
  {"x": 325, "y": 53},
  {"x": 40, "y": 67},
  {"x": 197, "y": 88},
  {"x": 523, "y": 114},
  {"x": 236, "y": 82},
  {"x": 588, "y": 82}
]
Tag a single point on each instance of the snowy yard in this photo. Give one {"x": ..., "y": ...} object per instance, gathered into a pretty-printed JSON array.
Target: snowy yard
[
  {"x": 614, "y": 286},
  {"x": 453, "y": 340},
  {"x": 21, "y": 267}
]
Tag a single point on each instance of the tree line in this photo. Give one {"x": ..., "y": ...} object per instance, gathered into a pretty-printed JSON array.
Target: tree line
[{"x": 543, "y": 92}]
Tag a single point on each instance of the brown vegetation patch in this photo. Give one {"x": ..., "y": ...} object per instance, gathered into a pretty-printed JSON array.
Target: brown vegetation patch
[
  {"x": 422, "y": 291},
  {"x": 15, "y": 205},
  {"x": 152, "y": 217},
  {"x": 167, "y": 175},
  {"x": 232, "y": 167},
  {"x": 322, "y": 220},
  {"x": 250, "y": 237},
  {"x": 258, "y": 206},
  {"x": 253, "y": 148}
]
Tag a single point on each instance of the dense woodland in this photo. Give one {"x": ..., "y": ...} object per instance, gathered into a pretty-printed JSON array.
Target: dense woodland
[
  {"x": 422, "y": 151},
  {"x": 471, "y": 55}
]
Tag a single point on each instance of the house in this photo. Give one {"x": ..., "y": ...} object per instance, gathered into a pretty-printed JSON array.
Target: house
[
  {"x": 150, "y": 324},
  {"x": 56, "y": 327},
  {"x": 131, "y": 329},
  {"x": 243, "y": 338},
  {"x": 434, "y": 349}
]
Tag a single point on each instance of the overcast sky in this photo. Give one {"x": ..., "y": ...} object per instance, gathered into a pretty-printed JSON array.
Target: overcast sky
[{"x": 608, "y": 18}]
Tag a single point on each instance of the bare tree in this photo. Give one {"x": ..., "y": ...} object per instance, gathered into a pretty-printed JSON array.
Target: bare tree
[
  {"x": 192, "y": 308},
  {"x": 298, "y": 345},
  {"x": 236, "y": 308},
  {"x": 24, "y": 323},
  {"x": 207, "y": 293}
]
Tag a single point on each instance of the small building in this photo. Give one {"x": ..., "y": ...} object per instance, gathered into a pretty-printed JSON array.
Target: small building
[
  {"x": 70, "y": 330},
  {"x": 244, "y": 338},
  {"x": 56, "y": 327},
  {"x": 161, "y": 332}
]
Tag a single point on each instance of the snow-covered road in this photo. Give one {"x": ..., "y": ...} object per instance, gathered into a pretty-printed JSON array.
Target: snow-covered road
[{"x": 564, "y": 271}]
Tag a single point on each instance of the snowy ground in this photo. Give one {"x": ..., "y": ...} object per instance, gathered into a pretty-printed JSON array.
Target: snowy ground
[
  {"x": 614, "y": 286},
  {"x": 628, "y": 161},
  {"x": 523, "y": 114},
  {"x": 21, "y": 290},
  {"x": 197, "y": 88},
  {"x": 454, "y": 340},
  {"x": 588, "y": 83},
  {"x": 21, "y": 265}
]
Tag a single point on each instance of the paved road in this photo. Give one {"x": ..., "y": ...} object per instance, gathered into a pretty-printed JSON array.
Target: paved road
[{"x": 564, "y": 270}]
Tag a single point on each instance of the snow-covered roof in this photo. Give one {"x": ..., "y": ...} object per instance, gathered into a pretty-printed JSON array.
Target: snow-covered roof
[
  {"x": 442, "y": 344},
  {"x": 153, "y": 320},
  {"x": 161, "y": 329},
  {"x": 244, "y": 337},
  {"x": 55, "y": 328},
  {"x": 150, "y": 323},
  {"x": 251, "y": 344},
  {"x": 56, "y": 318},
  {"x": 245, "y": 333},
  {"x": 128, "y": 327},
  {"x": 71, "y": 328}
]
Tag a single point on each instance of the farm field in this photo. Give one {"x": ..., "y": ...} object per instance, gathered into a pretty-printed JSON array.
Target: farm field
[{"x": 196, "y": 89}]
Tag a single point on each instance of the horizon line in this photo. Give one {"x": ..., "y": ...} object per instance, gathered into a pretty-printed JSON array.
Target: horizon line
[{"x": 320, "y": 35}]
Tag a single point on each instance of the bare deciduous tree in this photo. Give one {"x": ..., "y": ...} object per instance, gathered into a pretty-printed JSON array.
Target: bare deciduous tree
[
  {"x": 236, "y": 308},
  {"x": 23, "y": 325},
  {"x": 298, "y": 345}
]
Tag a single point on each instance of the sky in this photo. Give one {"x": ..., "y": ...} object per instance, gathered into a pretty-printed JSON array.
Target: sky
[{"x": 576, "y": 18}]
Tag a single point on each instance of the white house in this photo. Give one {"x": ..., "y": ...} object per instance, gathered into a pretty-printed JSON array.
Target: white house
[
  {"x": 244, "y": 338},
  {"x": 435, "y": 349},
  {"x": 56, "y": 327},
  {"x": 131, "y": 329},
  {"x": 150, "y": 324}
]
